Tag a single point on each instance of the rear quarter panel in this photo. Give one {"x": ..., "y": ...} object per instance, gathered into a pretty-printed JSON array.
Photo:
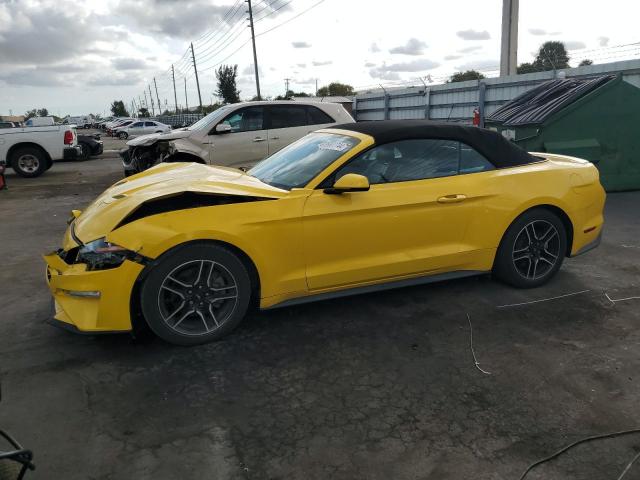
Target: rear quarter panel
[{"x": 571, "y": 185}]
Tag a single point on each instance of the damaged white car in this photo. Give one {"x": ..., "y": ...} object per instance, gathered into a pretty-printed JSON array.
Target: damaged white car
[{"x": 238, "y": 135}]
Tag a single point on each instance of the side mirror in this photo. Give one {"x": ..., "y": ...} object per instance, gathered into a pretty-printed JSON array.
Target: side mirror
[
  {"x": 223, "y": 128},
  {"x": 351, "y": 182}
]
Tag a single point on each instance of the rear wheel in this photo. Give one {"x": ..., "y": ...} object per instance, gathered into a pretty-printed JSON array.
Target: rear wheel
[
  {"x": 123, "y": 135},
  {"x": 29, "y": 162},
  {"x": 196, "y": 294},
  {"x": 532, "y": 250}
]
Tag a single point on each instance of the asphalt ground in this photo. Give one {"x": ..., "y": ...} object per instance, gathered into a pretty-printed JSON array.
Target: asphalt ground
[{"x": 379, "y": 386}]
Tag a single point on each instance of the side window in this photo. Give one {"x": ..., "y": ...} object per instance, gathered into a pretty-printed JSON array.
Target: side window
[
  {"x": 287, "y": 116},
  {"x": 149, "y": 124},
  {"x": 471, "y": 161},
  {"x": 318, "y": 117},
  {"x": 136, "y": 125},
  {"x": 245, "y": 120},
  {"x": 406, "y": 160}
]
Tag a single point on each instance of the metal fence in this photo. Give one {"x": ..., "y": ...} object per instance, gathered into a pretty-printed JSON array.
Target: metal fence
[
  {"x": 456, "y": 102},
  {"x": 177, "y": 121}
]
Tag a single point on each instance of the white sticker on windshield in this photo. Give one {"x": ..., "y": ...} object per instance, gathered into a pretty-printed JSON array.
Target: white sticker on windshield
[{"x": 336, "y": 145}]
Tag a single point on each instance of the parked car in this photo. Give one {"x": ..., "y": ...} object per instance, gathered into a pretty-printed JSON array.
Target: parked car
[
  {"x": 187, "y": 248},
  {"x": 9, "y": 125},
  {"x": 118, "y": 123},
  {"x": 90, "y": 145},
  {"x": 31, "y": 151},
  {"x": 140, "y": 128},
  {"x": 238, "y": 135},
  {"x": 79, "y": 121}
]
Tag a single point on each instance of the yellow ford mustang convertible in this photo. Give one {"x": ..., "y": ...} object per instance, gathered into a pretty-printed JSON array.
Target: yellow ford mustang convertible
[{"x": 188, "y": 248}]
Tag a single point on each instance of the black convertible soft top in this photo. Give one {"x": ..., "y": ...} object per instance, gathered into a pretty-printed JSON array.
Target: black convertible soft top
[{"x": 497, "y": 149}]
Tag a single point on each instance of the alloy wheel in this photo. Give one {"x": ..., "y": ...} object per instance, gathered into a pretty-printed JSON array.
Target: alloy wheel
[
  {"x": 197, "y": 297},
  {"x": 536, "y": 249},
  {"x": 28, "y": 163}
]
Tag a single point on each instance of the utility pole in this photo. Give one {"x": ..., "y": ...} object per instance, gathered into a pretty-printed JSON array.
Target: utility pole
[
  {"x": 186, "y": 100},
  {"x": 255, "y": 55},
  {"x": 316, "y": 87},
  {"x": 509, "y": 44},
  {"x": 195, "y": 69},
  {"x": 286, "y": 86},
  {"x": 175, "y": 95},
  {"x": 153, "y": 106},
  {"x": 157, "y": 96},
  {"x": 146, "y": 104}
]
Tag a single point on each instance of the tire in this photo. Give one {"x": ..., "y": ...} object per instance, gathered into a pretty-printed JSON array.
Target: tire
[
  {"x": 532, "y": 249},
  {"x": 29, "y": 162},
  {"x": 85, "y": 151},
  {"x": 187, "y": 297},
  {"x": 9, "y": 470},
  {"x": 123, "y": 135}
]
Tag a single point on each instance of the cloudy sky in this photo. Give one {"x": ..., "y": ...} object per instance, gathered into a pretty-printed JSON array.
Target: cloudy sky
[{"x": 76, "y": 56}]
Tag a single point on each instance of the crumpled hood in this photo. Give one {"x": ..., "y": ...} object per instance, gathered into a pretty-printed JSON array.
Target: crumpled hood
[
  {"x": 145, "y": 140},
  {"x": 166, "y": 179}
]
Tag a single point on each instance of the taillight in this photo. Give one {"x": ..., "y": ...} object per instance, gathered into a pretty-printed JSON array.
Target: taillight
[{"x": 68, "y": 137}]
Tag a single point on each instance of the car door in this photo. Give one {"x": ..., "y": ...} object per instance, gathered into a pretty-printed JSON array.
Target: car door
[
  {"x": 412, "y": 221},
  {"x": 150, "y": 127},
  {"x": 287, "y": 123},
  {"x": 136, "y": 128},
  {"x": 245, "y": 144}
]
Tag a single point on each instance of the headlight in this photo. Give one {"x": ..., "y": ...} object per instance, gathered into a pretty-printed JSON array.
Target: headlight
[{"x": 102, "y": 255}]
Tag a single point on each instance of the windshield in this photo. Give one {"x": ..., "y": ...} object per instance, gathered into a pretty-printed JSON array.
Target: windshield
[
  {"x": 296, "y": 165},
  {"x": 211, "y": 118}
]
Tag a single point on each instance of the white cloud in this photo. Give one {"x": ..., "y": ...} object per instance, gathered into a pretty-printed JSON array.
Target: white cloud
[
  {"x": 300, "y": 45},
  {"x": 473, "y": 34},
  {"x": 574, "y": 45},
  {"x": 603, "y": 41},
  {"x": 124, "y": 63},
  {"x": 412, "y": 47},
  {"x": 321, "y": 64},
  {"x": 470, "y": 49},
  {"x": 390, "y": 72},
  {"x": 452, "y": 57},
  {"x": 374, "y": 48}
]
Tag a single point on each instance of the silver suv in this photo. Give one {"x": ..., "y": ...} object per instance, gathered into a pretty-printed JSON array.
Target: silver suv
[{"x": 237, "y": 135}]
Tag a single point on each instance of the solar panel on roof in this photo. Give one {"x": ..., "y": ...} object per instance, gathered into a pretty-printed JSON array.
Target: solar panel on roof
[{"x": 536, "y": 105}]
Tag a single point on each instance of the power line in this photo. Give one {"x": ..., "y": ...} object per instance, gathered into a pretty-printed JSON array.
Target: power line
[
  {"x": 213, "y": 31},
  {"x": 290, "y": 19}
]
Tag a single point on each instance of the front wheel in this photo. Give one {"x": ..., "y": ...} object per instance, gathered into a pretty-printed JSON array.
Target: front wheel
[
  {"x": 195, "y": 294},
  {"x": 532, "y": 249},
  {"x": 29, "y": 162},
  {"x": 123, "y": 135}
]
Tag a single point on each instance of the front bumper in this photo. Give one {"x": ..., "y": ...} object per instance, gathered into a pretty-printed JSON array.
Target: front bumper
[
  {"x": 71, "y": 153},
  {"x": 91, "y": 301}
]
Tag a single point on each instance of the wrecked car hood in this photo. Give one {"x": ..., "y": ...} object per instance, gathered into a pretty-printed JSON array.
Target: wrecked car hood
[
  {"x": 145, "y": 140},
  {"x": 163, "y": 180}
]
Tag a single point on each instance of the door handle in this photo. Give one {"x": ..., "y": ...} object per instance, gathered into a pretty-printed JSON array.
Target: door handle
[
  {"x": 275, "y": 138},
  {"x": 259, "y": 139},
  {"x": 452, "y": 198}
]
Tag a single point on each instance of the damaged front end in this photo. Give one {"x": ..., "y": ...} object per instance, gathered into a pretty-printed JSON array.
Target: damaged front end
[{"x": 138, "y": 158}]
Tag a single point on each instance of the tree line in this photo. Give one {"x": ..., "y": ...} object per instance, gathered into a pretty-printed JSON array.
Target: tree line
[{"x": 551, "y": 56}]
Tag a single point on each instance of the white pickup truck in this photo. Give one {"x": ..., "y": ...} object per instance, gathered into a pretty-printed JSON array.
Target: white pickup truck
[{"x": 30, "y": 151}]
